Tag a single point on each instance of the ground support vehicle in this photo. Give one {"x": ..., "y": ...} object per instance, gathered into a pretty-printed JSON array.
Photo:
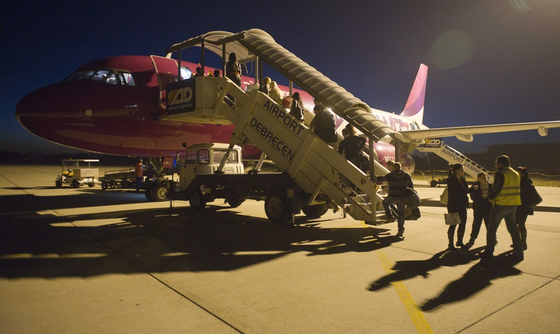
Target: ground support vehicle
[
  {"x": 118, "y": 179},
  {"x": 212, "y": 171},
  {"x": 124, "y": 179},
  {"x": 75, "y": 176}
]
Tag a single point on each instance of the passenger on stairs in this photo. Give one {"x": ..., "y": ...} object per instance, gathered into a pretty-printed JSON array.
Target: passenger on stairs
[
  {"x": 323, "y": 123},
  {"x": 296, "y": 109},
  {"x": 265, "y": 85},
  {"x": 276, "y": 94},
  {"x": 233, "y": 69},
  {"x": 352, "y": 146}
]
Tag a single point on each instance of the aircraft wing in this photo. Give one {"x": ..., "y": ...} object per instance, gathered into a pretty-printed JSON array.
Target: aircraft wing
[{"x": 465, "y": 133}]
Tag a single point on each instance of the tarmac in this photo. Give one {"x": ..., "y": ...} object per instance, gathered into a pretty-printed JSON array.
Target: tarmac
[{"x": 84, "y": 260}]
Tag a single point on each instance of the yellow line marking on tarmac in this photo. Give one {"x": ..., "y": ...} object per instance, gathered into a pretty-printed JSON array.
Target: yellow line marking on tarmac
[{"x": 413, "y": 311}]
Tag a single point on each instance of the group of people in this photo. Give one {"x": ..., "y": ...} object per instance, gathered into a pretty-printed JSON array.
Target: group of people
[{"x": 492, "y": 203}]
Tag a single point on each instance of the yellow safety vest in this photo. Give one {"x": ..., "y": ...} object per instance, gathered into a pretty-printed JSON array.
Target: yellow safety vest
[{"x": 510, "y": 195}]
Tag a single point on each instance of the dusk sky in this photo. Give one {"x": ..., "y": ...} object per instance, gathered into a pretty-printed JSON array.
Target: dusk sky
[{"x": 489, "y": 62}]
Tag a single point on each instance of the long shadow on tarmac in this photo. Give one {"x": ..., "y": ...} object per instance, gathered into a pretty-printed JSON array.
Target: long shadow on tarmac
[
  {"x": 478, "y": 277},
  {"x": 220, "y": 238}
]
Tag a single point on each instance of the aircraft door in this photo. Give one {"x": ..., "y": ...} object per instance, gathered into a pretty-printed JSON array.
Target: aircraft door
[{"x": 166, "y": 71}]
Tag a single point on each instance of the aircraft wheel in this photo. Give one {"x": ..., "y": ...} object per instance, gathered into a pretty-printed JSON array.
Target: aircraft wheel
[
  {"x": 75, "y": 184},
  {"x": 315, "y": 211},
  {"x": 277, "y": 209},
  {"x": 235, "y": 202},
  {"x": 159, "y": 193},
  {"x": 58, "y": 183},
  {"x": 197, "y": 200}
]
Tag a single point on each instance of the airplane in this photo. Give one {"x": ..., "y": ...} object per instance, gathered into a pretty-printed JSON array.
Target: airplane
[{"x": 117, "y": 106}]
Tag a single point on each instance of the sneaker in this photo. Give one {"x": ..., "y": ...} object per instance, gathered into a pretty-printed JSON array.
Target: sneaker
[
  {"x": 451, "y": 247},
  {"x": 390, "y": 220},
  {"x": 400, "y": 235}
]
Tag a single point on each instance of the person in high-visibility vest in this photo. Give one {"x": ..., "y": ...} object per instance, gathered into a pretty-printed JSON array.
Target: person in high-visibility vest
[
  {"x": 505, "y": 196},
  {"x": 139, "y": 174}
]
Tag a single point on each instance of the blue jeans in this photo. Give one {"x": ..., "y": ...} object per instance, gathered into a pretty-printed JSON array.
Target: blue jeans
[
  {"x": 387, "y": 201},
  {"x": 498, "y": 213}
]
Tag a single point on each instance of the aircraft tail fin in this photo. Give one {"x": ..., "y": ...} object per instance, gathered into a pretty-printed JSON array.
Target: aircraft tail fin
[{"x": 414, "y": 107}]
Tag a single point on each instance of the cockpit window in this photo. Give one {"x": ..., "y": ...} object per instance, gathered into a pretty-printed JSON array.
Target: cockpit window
[
  {"x": 80, "y": 75},
  {"x": 126, "y": 79},
  {"x": 106, "y": 76},
  {"x": 112, "y": 77}
]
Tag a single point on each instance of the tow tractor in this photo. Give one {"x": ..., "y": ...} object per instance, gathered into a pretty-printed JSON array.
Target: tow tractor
[{"x": 76, "y": 176}]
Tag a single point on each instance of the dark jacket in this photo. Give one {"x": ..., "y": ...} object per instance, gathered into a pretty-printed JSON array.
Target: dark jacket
[
  {"x": 323, "y": 126},
  {"x": 397, "y": 180},
  {"x": 525, "y": 187},
  {"x": 457, "y": 192},
  {"x": 480, "y": 204},
  {"x": 352, "y": 146}
]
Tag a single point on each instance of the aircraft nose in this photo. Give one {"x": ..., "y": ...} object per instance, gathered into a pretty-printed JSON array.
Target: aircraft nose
[{"x": 32, "y": 111}]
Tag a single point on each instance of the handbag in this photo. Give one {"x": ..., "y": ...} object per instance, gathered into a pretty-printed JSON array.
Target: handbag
[
  {"x": 533, "y": 198},
  {"x": 452, "y": 218},
  {"x": 410, "y": 198},
  {"x": 444, "y": 197}
]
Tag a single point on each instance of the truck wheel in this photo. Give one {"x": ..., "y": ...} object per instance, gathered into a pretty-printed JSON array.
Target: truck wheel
[
  {"x": 433, "y": 183},
  {"x": 148, "y": 192},
  {"x": 58, "y": 183},
  {"x": 197, "y": 200},
  {"x": 277, "y": 209},
  {"x": 315, "y": 211},
  {"x": 104, "y": 185},
  {"x": 159, "y": 193},
  {"x": 235, "y": 202},
  {"x": 75, "y": 184}
]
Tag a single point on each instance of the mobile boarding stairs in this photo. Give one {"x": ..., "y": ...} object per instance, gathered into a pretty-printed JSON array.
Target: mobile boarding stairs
[{"x": 316, "y": 167}]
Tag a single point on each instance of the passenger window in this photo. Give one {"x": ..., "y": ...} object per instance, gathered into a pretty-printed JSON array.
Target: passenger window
[
  {"x": 191, "y": 157},
  {"x": 203, "y": 157}
]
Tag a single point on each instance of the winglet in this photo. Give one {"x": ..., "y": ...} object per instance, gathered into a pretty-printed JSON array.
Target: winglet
[{"x": 415, "y": 105}]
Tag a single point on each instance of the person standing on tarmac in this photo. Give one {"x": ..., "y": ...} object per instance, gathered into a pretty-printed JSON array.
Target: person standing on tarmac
[
  {"x": 457, "y": 202},
  {"x": 139, "y": 174},
  {"x": 481, "y": 206},
  {"x": 397, "y": 180},
  {"x": 506, "y": 196},
  {"x": 524, "y": 210}
]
